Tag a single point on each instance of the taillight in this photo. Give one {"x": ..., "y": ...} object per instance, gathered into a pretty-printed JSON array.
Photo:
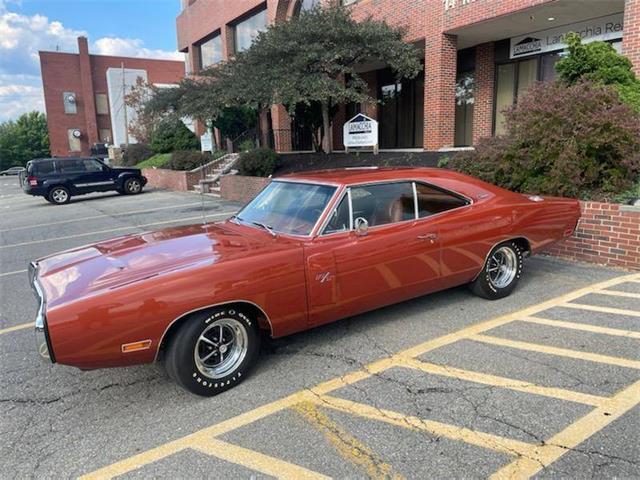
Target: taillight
[{"x": 33, "y": 181}]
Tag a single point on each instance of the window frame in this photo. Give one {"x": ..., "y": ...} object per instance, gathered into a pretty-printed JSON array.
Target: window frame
[
  {"x": 261, "y": 9},
  {"x": 215, "y": 35},
  {"x": 347, "y": 192}
]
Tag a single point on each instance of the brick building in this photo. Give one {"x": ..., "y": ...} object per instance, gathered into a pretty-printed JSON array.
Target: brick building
[
  {"x": 83, "y": 96},
  {"x": 479, "y": 55}
]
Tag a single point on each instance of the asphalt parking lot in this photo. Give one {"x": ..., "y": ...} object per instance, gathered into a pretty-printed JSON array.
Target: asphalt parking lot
[{"x": 545, "y": 383}]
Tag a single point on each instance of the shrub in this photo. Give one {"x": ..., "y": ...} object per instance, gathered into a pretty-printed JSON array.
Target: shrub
[
  {"x": 260, "y": 162},
  {"x": 171, "y": 135},
  {"x": 159, "y": 160},
  {"x": 599, "y": 62},
  {"x": 188, "y": 159},
  {"x": 136, "y": 153},
  {"x": 579, "y": 141}
]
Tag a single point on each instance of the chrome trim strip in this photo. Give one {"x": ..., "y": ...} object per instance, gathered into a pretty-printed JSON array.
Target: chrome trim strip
[
  {"x": 155, "y": 359},
  {"x": 415, "y": 200},
  {"x": 93, "y": 184}
]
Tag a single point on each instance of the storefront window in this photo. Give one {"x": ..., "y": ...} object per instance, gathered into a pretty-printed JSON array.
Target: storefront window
[
  {"x": 527, "y": 75},
  {"x": 211, "y": 52},
  {"x": 505, "y": 93},
  {"x": 401, "y": 111},
  {"x": 247, "y": 30},
  {"x": 465, "y": 100}
]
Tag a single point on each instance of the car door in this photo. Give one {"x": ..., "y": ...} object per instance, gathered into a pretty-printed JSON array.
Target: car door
[
  {"x": 349, "y": 273},
  {"x": 97, "y": 176}
]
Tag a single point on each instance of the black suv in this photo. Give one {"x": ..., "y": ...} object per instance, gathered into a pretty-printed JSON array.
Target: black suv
[{"x": 58, "y": 179}]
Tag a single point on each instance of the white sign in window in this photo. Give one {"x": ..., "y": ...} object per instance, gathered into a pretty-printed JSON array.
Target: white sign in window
[{"x": 361, "y": 131}]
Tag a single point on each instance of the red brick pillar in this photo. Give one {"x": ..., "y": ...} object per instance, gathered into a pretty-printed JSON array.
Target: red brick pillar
[
  {"x": 440, "y": 59},
  {"x": 631, "y": 38},
  {"x": 88, "y": 98},
  {"x": 281, "y": 123},
  {"x": 485, "y": 78}
]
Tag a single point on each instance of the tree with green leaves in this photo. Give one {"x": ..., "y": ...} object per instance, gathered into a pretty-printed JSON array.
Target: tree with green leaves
[
  {"x": 315, "y": 58},
  {"x": 171, "y": 134},
  {"x": 23, "y": 139},
  {"x": 600, "y": 63}
]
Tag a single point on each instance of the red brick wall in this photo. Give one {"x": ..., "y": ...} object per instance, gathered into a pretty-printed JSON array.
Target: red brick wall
[
  {"x": 241, "y": 189},
  {"x": 631, "y": 39},
  {"x": 166, "y": 179},
  {"x": 86, "y": 75},
  {"x": 608, "y": 234},
  {"x": 483, "y": 106}
]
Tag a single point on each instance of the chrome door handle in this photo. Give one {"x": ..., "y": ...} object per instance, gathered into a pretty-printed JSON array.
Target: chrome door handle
[{"x": 428, "y": 236}]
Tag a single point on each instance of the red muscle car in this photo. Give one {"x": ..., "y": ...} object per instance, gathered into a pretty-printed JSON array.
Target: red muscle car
[{"x": 310, "y": 249}]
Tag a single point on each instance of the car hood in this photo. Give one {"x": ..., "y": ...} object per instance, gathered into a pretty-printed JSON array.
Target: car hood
[{"x": 91, "y": 269}]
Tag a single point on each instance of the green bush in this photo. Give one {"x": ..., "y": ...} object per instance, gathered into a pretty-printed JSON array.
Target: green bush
[
  {"x": 600, "y": 63},
  {"x": 188, "y": 159},
  {"x": 570, "y": 140},
  {"x": 260, "y": 162},
  {"x": 159, "y": 160},
  {"x": 136, "y": 153},
  {"x": 171, "y": 135}
]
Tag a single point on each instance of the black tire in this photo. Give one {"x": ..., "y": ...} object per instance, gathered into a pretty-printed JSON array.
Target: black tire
[
  {"x": 208, "y": 379},
  {"x": 132, "y": 186},
  {"x": 495, "y": 281},
  {"x": 59, "y": 195}
]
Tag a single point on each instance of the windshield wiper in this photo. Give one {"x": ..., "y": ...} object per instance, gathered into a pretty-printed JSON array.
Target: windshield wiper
[{"x": 266, "y": 227}]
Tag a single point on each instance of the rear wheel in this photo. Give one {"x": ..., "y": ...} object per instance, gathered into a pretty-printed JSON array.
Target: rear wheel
[
  {"x": 213, "y": 351},
  {"x": 59, "y": 195},
  {"x": 501, "y": 272},
  {"x": 132, "y": 186}
]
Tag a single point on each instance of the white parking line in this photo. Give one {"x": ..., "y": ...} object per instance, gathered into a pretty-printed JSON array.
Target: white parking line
[
  {"x": 39, "y": 225},
  {"x": 5, "y": 274},
  {"x": 131, "y": 227}
]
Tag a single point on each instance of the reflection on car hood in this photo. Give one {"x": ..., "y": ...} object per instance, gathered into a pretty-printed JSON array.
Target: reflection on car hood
[{"x": 129, "y": 259}]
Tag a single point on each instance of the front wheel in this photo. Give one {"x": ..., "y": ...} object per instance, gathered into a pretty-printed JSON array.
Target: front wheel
[
  {"x": 500, "y": 273},
  {"x": 132, "y": 186},
  {"x": 213, "y": 351}
]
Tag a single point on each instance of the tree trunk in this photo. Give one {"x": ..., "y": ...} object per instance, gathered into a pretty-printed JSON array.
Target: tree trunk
[
  {"x": 326, "y": 128},
  {"x": 264, "y": 127}
]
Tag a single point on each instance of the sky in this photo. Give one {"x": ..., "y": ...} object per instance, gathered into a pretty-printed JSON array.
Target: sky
[{"x": 134, "y": 28}]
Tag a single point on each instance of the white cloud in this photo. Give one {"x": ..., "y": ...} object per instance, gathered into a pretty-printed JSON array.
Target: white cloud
[{"x": 22, "y": 36}]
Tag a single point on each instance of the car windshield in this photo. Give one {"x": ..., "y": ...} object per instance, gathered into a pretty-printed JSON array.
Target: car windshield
[{"x": 287, "y": 207}]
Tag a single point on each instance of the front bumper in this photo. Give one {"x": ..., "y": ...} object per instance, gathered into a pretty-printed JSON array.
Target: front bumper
[{"x": 43, "y": 343}]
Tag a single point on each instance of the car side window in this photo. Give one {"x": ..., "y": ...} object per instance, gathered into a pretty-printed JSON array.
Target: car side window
[
  {"x": 384, "y": 204},
  {"x": 432, "y": 201},
  {"x": 92, "y": 166},
  {"x": 43, "y": 168},
  {"x": 72, "y": 166},
  {"x": 339, "y": 219}
]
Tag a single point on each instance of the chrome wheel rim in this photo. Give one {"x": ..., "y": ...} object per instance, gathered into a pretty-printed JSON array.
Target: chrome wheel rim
[
  {"x": 502, "y": 267},
  {"x": 134, "y": 186},
  {"x": 59, "y": 196},
  {"x": 221, "y": 348}
]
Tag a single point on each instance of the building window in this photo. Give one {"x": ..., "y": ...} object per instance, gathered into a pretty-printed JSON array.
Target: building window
[
  {"x": 512, "y": 80},
  {"x": 401, "y": 111},
  {"x": 70, "y": 102},
  {"x": 304, "y": 5},
  {"x": 247, "y": 30},
  {"x": 105, "y": 135},
  {"x": 348, "y": 2},
  {"x": 211, "y": 52},
  {"x": 102, "y": 104},
  {"x": 465, "y": 100},
  {"x": 74, "y": 140}
]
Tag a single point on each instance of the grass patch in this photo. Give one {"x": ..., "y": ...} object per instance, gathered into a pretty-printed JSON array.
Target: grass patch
[{"x": 159, "y": 160}]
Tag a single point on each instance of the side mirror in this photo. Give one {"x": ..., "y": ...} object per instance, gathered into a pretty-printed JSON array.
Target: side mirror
[{"x": 361, "y": 226}]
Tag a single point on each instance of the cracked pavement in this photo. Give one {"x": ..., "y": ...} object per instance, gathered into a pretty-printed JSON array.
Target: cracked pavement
[{"x": 59, "y": 422}]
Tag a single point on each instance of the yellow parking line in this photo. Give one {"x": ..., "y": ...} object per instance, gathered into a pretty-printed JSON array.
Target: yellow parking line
[
  {"x": 539, "y": 457},
  {"x": 93, "y": 217},
  {"x": 596, "y": 308},
  {"x": 583, "y": 327},
  {"x": 17, "y": 327},
  {"x": 618, "y": 293},
  {"x": 328, "y": 386},
  {"x": 12, "y": 273},
  {"x": 349, "y": 447},
  {"x": 562, "y": 352},
  {"x": 438, "y": 429},
  {"x": 509, "y": 383},
  {"x": 131, "y": 227},
  {"x": 256, "y": 461}
]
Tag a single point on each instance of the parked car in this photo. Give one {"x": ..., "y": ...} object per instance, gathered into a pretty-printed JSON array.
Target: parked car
[
  {"x": 310, "y": 249},
  {"x": 58, "y": 179},
  {"x": 12, "y": 171}
]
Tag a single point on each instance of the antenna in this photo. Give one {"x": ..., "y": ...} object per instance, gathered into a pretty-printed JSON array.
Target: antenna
[{"x": 126, "y": 117}]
